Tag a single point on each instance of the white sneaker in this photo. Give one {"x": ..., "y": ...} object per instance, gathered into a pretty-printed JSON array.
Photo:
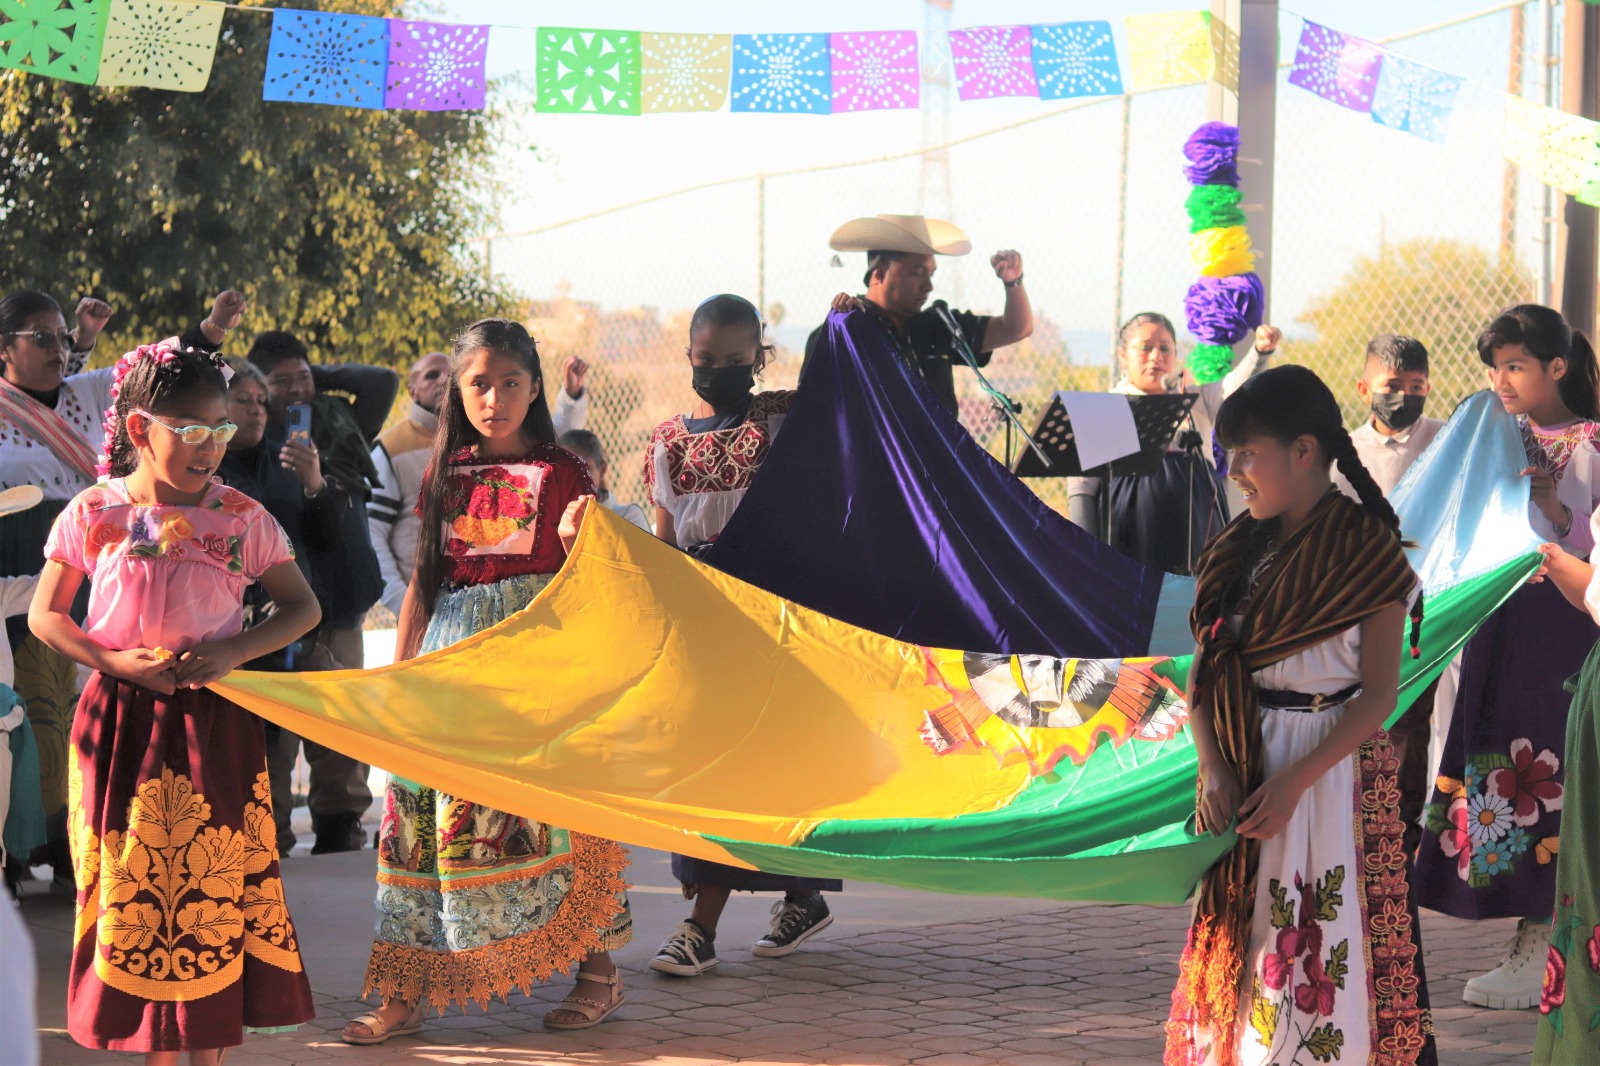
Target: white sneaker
[{"x": 1516, "y": 983}]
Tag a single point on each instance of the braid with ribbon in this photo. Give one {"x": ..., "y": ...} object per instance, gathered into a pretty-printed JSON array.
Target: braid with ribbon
[{"x": 149, "y": 377}]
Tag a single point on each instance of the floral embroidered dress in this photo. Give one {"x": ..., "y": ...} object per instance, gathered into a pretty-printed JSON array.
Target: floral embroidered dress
[
  {"x": 1334, "y": 968},
  {"x": 700, "y": 468},
  {"x": 183, "y": 937},
  {"x": 1493, "y": 828},
  {"x": 1569, "y": 1026},
  {"x": 474, "y": 902}
]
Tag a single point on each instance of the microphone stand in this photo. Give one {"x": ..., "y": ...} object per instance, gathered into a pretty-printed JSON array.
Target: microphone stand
[{"x": 1005, "y": 404}]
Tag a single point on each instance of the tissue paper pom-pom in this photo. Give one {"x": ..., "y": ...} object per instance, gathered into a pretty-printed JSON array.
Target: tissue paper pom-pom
[
  {"x": 1219, "y": 253},
  {"x": 1213, "y": 207},
  {"x": 1209, "y": 362},
  {"x": 1213, "y": 152},
  {"x": 1224, "y": 310}
]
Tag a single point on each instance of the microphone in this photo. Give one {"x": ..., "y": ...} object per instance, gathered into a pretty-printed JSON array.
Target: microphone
[{"x": 1173, "y": 382}]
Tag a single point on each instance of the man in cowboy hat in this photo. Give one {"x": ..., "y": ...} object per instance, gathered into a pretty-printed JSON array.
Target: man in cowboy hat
[{"x": 899, "y": 279}]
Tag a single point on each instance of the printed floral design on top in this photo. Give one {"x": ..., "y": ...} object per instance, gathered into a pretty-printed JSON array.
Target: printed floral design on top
[
  {"x": 1489, "y": 820},
  {"x": 490, "y": 510},
  {"x": 1307, "y": 980},
  {"x": 1551, "y": 452}
]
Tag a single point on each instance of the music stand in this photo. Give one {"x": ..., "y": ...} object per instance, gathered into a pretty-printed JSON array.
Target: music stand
[{"x": 1156, "y": 419}]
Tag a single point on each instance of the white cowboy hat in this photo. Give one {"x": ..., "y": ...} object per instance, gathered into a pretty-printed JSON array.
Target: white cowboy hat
[
  {"x": 900, "y": 233},
  {"x": 20, "y": 499}
]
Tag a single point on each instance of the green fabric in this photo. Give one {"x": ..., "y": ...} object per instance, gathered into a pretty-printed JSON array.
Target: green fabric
[
  {"x": 1570, "y": 1033},
  {"x": 1137, "y": 848},
  {"x": 24, "y": 822}
]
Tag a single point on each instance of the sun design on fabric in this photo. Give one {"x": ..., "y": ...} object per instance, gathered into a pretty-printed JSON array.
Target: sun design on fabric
[
  {"x": 1042, "y": 709},
  {"x": 170, "y": 891}
]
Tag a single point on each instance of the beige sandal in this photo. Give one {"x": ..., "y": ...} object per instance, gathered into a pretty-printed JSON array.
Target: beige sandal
[
  {"x": 593, "y": 1010},
  {"x": 377, "y": 1033}
]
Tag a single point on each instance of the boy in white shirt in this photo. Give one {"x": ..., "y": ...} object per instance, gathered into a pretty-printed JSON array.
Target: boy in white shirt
[{"x": 1394, "y": 386}]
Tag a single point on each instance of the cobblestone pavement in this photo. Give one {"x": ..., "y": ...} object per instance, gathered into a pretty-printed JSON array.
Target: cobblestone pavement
[{"x": 901, "y": 977}]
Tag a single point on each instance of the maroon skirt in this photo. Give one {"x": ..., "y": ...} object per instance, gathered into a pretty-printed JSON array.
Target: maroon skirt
[{"x": 183, "y": 937}]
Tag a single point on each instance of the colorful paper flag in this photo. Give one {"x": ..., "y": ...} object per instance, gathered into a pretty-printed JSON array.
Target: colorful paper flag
[
  {"x": 595, "y": 71},
  {"x": 315, "y": 57},
  {"x": 782, "y": 72},
  {"x": 436, "y": 66},
  {"x": 875, "y": 71},
  {"x": 53, "y": 38},
  {"x": 1556, "y": 147},
  {"x": 1336, "y": 66},
  {"x": 1414, "y": 99},
  {"x": 1172, "y": 48},
  {"x": 685, "y": 71},
  {"x": 993, "y": 61},
  {"x": 1075, "y": 59},
  {"x": 160, "y": 45}
]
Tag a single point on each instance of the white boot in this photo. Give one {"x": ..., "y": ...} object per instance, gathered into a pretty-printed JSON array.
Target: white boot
[{"x": 1514, "y": 984}]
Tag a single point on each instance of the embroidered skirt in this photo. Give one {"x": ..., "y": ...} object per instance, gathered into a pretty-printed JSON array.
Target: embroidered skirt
[
  {"x": 183, "y": 936},
  {"x": 1570, "y": 1005},
  {"x": 1334, "y": 969},
  {"x": 1493, "y": 828},
  {"x": 474, "y": 902}
]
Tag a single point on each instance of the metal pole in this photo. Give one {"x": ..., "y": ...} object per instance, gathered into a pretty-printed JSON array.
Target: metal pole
[
  {"x": 761, "y": 243},
  {"x": 1118, "y": 284},
  {"x": 1508, "y": 204},
  {"x": 1577, "y": 231},
  {"x": 1547, "y": 205},
  {"x": 1257, "y": 121}
]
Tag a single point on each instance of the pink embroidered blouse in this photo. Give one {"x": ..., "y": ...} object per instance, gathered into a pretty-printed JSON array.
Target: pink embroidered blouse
[{"x": 166, "y": 576}]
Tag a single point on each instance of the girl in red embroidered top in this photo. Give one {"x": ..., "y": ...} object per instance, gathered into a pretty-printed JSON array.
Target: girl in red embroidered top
[
  {"x": 697, "y": 468},
  {"x": 474, "y": 902}
]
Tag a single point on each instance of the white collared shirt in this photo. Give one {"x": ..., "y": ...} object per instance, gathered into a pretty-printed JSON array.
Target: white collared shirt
[{"x": 1388, "y": 458}]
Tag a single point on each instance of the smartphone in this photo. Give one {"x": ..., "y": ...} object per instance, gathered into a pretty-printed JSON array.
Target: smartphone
[{"x": 298, "y": 420}]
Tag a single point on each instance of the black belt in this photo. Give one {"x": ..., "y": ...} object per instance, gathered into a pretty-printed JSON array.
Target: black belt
[{"x": 1305, "y": 701}]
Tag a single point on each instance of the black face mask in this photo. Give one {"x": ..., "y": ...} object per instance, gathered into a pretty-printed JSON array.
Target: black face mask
[
  {"x": 724, "y": 386},
  {"x": 1397, "y": 410}
]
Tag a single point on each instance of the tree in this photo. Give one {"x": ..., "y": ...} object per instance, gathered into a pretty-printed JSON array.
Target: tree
[
  {"x": 347, "y": 226},
  {"x": 1440, "y": 291}
]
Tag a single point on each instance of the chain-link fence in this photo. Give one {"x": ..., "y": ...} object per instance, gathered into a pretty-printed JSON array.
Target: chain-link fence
[{"x": 1376, "y": 231}]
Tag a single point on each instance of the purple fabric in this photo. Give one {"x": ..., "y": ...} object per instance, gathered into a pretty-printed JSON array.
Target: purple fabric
[
  {"x": 874, "y": 506},
  {"x": 1213, "y": 154},
  {"x": 1224, "y": 310}
]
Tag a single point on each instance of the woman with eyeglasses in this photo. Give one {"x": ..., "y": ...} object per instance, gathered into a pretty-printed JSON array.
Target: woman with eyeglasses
[
  {"x": 1164, "y": 518},
  {"x": 49, "y": 436}
]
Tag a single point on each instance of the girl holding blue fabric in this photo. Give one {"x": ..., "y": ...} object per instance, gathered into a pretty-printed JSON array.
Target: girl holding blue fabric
[
  {"x": 697, "y": 468},
  {"x": 1493, "y": 829}
]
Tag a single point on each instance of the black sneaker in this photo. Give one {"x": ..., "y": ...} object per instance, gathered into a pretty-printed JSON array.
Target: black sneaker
[
  {"x": 688, "y": 952},
  {"x": 338, "y": 832},
  {"x": 794, "y": 921}
]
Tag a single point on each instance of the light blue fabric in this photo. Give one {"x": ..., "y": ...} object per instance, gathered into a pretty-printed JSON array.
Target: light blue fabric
[{"x": 1463, "y": 501}]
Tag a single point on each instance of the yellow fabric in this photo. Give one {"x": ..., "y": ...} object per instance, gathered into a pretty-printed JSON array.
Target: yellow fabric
[
  {"x": 646, "y": 698},
  {"x": 1222, "y": 253}
]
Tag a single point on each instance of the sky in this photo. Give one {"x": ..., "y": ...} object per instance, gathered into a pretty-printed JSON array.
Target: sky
[{"x": 559, "y": 167}]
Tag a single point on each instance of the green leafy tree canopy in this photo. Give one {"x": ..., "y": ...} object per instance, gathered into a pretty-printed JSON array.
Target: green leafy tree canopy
[
  {"x": 1440, "y": 291},
  {"x": 350, "y": 227}
]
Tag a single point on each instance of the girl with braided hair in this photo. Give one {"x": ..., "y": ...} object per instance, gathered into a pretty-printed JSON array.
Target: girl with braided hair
[
  {"x": 183, "y": 937},
  {"x": 1493, "y": 829},
  {"x": 1304, "y": 943}
]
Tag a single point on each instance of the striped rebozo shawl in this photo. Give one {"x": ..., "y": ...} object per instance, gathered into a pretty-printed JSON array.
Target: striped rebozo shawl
[{"x": 1345, "y": 564}]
